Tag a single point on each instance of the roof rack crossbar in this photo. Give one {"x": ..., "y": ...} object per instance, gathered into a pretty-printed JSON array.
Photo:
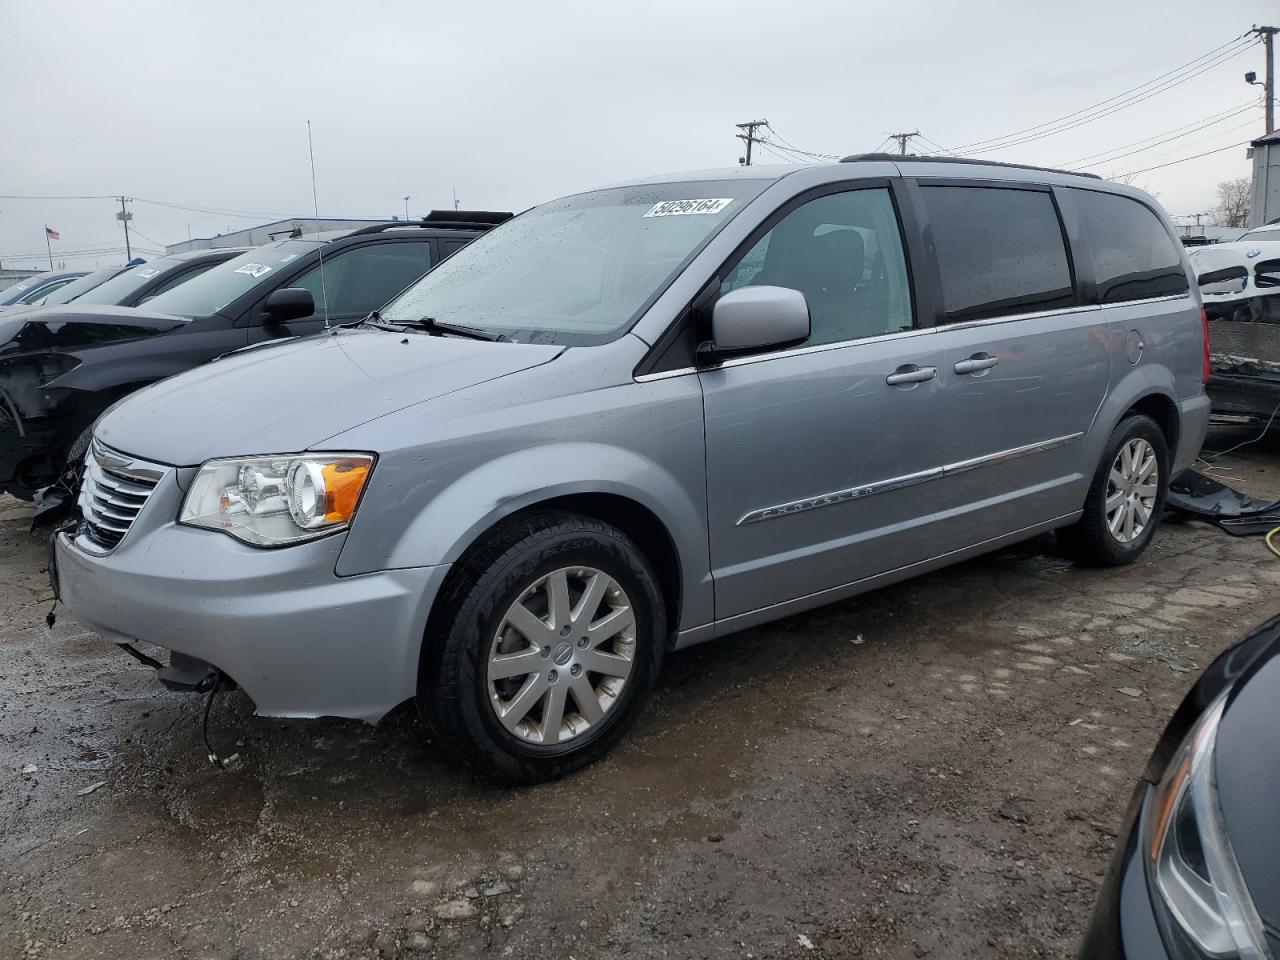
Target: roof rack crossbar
[
  {"x": 926, "y": 158},
  {"x": 442, "y": 220}
]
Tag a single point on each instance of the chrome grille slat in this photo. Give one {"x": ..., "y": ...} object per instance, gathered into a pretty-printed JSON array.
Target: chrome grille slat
[
  {"x": 113, "y": 491},
  {"x": 118, "y": 484}
]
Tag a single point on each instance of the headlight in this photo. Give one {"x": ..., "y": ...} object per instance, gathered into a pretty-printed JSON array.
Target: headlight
[
  {"x": 1195, "y": 871},
  {"x": 276, "y": 501}
]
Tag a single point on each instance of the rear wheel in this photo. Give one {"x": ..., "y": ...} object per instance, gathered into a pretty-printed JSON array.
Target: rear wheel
[
  {"x": 1126, "y": 497},
  {"x": 553, "y": 640}
]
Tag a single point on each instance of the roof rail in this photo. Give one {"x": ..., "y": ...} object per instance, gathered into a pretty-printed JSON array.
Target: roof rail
[
  {"x": 442, "y": 220},
  {"x": 925, "y": 158}
]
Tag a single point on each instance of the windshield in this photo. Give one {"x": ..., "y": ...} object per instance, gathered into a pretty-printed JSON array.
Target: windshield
[
  {"x": 214, "y": 290},
  {"x": 123, "y": 285},
  {"x": 14, "y": 293},
  {"x": 578, "y": 270},
  {"x": 77, "y": 288}
]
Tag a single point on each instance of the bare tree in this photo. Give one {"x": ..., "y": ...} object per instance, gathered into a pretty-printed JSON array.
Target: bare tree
[{"x": 1233, "y": 202}]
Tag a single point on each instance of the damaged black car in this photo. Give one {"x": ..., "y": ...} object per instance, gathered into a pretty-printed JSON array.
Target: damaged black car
[{"x": 62, "y": 367}]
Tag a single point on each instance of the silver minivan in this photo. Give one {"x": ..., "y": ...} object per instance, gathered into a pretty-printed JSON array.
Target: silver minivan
[{"x": 642, "y": 417}]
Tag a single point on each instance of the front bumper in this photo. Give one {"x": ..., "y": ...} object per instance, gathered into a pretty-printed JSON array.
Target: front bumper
[
  {"x": 1124, "y": 924},
  {"x": 298, "y": 639}
]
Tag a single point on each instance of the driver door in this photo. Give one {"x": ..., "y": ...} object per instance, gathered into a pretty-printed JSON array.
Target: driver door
[{"x": 818, "y": 456}]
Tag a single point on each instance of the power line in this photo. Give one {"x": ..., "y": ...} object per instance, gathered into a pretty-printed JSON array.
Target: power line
[
  {"x": 212, "y": 211},
  {"x": 1173, "y": 134},
  {"x": 934, "y": 143},
  {"x": 767, "y": 145},
  {"x": 1190, "y": 143},
  {"x": 1116, "y": 108},
  {"x": 23, "y": 196},
  {"x": 1120, "y": 96},
  {"x": 1160, "y": 166},
  {"x": 803, "y": 153}
]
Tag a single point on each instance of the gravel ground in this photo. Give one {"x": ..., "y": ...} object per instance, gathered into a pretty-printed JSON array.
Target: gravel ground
[{"x": 934, "y": 770}]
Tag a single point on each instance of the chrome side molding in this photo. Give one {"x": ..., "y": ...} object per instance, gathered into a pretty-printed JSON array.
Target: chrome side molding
[{"x": 897, "y": 483}]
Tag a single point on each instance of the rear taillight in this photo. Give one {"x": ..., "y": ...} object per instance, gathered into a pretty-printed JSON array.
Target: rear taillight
[{"x": 1204, "y": 339}]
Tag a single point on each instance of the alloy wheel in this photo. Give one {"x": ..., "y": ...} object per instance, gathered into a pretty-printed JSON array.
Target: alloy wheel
[
  {"x": 1131, "y": 490},
  {"x": 562, "y": 655}
]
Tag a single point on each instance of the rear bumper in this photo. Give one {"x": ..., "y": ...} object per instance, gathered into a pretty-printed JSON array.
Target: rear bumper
[
  {"x": 298, "y": 639},
  {"x": 1194, "y": 416},
  {"x": 1246, "y": 399}
]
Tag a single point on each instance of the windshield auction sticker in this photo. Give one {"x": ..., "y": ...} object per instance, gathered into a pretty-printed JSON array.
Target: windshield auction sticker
[
  {"x": 683, "y": 208},
  {"x": 254, "y": 270}
]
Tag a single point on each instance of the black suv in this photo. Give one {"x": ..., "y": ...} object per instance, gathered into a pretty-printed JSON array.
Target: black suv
[{"x": 61, "y": 367}]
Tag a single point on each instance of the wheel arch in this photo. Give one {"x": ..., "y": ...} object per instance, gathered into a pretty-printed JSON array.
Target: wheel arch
[
  {"x": 1145, "y": 389},
  {"x": 663, "y": 514},
  {"x": 632, "y": 517}
]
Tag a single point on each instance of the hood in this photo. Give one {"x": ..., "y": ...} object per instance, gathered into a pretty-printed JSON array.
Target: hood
[
  {"x": 298, "y": 394},
  {"x": 1215, "y": 256},
  {"x": 1247, "y": 770},
  {"x": 68, "y": 327}
]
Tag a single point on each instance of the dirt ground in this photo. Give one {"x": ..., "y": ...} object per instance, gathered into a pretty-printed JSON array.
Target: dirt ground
[{"x": 934, "y": 770}]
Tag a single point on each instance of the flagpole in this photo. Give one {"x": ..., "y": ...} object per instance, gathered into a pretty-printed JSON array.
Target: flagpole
[{"x": 47, "y": 246}]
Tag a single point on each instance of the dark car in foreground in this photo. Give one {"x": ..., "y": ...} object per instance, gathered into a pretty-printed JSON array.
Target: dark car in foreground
[
  {"x": 1196, "y": 873},
  {"x": 60, "y": 368}
]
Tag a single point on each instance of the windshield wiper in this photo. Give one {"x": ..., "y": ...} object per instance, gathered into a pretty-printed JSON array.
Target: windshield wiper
[
  {"x": 432, "y": 325},
  {"x": 374, "y": 319}
]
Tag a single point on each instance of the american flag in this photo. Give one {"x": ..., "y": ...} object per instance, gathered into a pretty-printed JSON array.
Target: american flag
[{"x": 52, "y": 234}]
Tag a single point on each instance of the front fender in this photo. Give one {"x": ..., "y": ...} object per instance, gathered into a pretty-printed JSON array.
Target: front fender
[{"x": 458, "y": 515}]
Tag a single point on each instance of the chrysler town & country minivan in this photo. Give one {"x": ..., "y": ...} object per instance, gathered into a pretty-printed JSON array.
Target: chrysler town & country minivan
[{"x": 638, "y": 418}]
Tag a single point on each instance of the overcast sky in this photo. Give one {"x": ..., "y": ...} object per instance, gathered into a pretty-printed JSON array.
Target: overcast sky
[{"x": 513, "y": 103}]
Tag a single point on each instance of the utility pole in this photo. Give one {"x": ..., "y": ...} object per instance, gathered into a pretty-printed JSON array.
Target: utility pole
[
  {"x": 1269, "y": 86},
  {"x": 750, "y": 137},
  {"x": 1267, "y": 35},
  {"x": 124, "y": 216},
  {"x": 902, "y": 139}
]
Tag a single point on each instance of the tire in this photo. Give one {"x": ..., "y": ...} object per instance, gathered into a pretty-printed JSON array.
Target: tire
[
  {"x": 1091, "y": 539},
  {"x": 521, "y": 565}
]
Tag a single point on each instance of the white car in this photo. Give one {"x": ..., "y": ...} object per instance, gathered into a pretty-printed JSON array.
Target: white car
[{"x": 1240, "y": 284}]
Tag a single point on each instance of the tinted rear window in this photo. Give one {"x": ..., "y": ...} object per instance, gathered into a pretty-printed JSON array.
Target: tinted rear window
[
  {"x": 1000, "y": 251},
  {"x": 1133, "y": 255}
]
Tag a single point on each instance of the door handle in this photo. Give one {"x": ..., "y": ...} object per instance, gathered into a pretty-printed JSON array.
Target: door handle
[
  {"x": 976, "y": 363},
  {"x": 910, "y": 373}
]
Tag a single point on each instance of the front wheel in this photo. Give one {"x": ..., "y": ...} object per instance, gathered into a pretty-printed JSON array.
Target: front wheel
[
  {"x": 1126, "y": 497},
  {"x": 552, "y": 639}
]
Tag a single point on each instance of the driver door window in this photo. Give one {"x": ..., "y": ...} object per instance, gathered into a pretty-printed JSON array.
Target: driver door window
[
  {"x": 362, "y": 280},
  {"x": 844, "y": 252}
]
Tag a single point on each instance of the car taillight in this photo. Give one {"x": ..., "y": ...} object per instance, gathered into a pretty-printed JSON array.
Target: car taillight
[{"x": 1204, "y": 338}]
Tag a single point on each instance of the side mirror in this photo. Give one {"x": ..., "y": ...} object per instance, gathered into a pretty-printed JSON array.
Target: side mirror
[
  {"x": 290, "y": 303},
  {"x": 755, "y": 318}
]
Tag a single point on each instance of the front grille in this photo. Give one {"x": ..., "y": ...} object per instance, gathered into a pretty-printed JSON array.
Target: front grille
[{"x": 113, "y": 491}]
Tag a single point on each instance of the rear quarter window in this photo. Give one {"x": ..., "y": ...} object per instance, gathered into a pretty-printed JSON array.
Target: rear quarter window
[
  {"x": 1134, "y": 257},
  {"x": 1000, "y": 251}
]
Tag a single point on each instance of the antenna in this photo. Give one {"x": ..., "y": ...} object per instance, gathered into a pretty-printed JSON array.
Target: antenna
[{"x": 315, "y": 200}]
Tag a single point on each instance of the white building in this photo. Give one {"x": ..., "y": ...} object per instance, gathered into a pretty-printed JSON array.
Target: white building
[{"x": 1264, "y": 206}]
